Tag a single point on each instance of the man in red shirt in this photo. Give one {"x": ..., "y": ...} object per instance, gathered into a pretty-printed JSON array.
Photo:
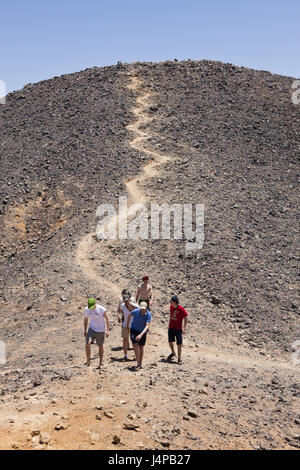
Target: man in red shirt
[{"x": 176, "y": 330}]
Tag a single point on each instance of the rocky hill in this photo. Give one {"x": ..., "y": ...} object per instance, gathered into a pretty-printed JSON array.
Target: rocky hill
[{"x": 174, "y": 132}]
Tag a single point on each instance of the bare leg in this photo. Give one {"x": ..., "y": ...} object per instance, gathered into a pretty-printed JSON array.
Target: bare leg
[
  {"x": 101, "y": 353},
  {"x": 141, "y": 354},
  {"x": 136, "y": 352},
  {"x": 172, "y": 348},
  {"x": 179, "y": 347},
  {"x": 125, "y": 346},
  {"x": 88, "y": 353}
]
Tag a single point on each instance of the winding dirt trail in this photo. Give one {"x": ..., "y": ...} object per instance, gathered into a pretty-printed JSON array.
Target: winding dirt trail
[
  {"x": 135, "y": 194},
  {"x": 139, "y": 143}
]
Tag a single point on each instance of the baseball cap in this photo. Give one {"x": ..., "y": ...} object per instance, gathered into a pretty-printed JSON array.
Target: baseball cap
[
  {"x": 91, "y": 303},
  {"x": 143, "y": 305}
]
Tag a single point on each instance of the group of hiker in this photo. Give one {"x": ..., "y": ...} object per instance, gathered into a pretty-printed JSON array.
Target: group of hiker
[{"x": 134, "y": 314}]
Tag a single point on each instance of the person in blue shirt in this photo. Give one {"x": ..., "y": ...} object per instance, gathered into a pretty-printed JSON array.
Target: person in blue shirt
[{"x": 141, "y": 318}]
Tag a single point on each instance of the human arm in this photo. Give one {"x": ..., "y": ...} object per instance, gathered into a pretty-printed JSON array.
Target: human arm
[
  {"x": 128, "y": 321},
  {"x": 137, "y": 294},
  {"x": 143, "y": 332},
  {"x": 134, "y": 306},
  {"x": 120, "y": 313},
  {"x": 184, "y": 325},
  {"x": 85, "y": 325},
  {"x": 107, "y": 323},
  {"x": 151, "y": 295}
]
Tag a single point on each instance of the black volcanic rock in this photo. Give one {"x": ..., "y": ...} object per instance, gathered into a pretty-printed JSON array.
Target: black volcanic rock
[{"x": 234, "y": 135}]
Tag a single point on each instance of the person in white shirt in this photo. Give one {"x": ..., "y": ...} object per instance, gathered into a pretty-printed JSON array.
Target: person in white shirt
[
  {"x": 99, "y": 326},
  {"x": 125, "y": 292},
  {"x": 126, "y": 307},
  {"x": 121, "y": 301}
]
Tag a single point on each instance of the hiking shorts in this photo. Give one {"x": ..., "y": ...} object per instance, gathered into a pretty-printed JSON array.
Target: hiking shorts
[
  {"x": 134, "y": 334},
  {"x": 124, "y": 333},
  {"x": 98, "y": 336},
  {"x": 175, "y": 334}
]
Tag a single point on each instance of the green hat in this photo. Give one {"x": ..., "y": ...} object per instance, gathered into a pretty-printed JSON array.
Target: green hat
[{"x": 91, "y": 303}]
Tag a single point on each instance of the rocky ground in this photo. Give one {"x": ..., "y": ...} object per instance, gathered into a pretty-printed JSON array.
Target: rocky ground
[
  {"x": 215, "y": 134},
  {"x": 218, "y": 398}
]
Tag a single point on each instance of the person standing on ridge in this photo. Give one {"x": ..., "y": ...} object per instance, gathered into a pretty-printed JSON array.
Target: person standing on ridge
[
  {"x": 176, "y": 330},
  {"x": 144, "y": 293},
  {"x": 99, "y": 326}
]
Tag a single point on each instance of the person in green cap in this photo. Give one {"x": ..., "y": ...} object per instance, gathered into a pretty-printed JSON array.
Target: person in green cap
[{"x": 99, "y": 326}]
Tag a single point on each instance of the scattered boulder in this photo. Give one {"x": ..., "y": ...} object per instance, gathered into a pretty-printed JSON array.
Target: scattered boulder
[
  {"x": 61, "y": 426},
  {"x": 45, "y": 438},
  {"x": 116, "y": 440}
]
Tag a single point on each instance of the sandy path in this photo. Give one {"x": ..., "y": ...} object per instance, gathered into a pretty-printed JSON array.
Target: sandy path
[{"x": 135, "y": 195}]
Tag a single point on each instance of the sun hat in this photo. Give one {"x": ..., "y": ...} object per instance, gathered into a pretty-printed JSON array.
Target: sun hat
[{"x": 143, "y": 305}]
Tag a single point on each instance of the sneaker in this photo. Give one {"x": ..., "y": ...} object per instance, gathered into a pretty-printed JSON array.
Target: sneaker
[{"x": 179, "y": 361}]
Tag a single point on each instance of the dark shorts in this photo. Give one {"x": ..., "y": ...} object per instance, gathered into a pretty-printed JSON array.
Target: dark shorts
[
  {"x": 94, "y": 335},
  {"x": 172, "y": 334},
  {"x": 134, "y": 334}
]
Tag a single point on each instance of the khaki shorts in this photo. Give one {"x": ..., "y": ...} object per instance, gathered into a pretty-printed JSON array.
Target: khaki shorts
[
  {"x": 124, "y": 333},
  {"x": 98, "y": 336}
]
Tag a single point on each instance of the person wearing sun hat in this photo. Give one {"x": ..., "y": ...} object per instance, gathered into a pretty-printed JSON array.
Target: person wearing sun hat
[
  {"x": 144, "y": 292},
  {"x": 141, "y": 318},
  {"x": 96, "y": 318}
]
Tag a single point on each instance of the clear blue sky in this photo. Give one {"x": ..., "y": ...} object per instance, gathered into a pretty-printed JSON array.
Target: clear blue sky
[{"x": 40, "y": 39}]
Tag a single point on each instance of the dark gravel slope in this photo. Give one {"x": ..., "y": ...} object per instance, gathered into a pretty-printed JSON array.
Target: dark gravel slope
[
  {"x": 241, "y": 136},
  {"x": 64, "y": 149}
]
